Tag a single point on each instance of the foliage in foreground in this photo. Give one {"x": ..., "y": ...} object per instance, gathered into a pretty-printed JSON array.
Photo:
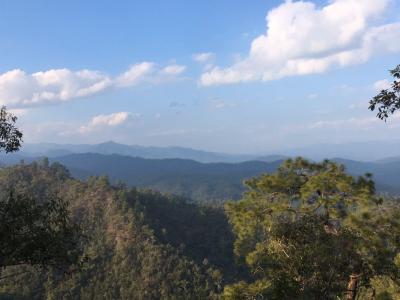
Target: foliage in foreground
[
  {"x": 387, "y": 102},
  {"x": 304, "y": 230},
  {"x": 35, "y": 227}
]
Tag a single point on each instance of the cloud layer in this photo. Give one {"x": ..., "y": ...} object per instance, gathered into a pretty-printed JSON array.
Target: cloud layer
[
  {"x": 18, "y": 89},
  {"x": 204, "y": 57},
  {"x": 111, "y": 120},
  {"x": 302, "y": 38},
  {"x": 382, "y": 85}
]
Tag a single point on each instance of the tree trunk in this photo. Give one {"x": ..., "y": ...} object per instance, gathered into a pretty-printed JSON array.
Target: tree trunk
[{"x": 352, "y": 286}]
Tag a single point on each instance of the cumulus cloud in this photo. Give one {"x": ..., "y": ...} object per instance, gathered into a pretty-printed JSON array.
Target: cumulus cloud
[
  {"x": 173, "y": 70},
  {"x": 105, "y": 121},
  {"x": 135, "y": 74},
  {"x": 302, "y": 38},
  {"x": 381, "y": 85},
  {"x": 19, "y": 89},
  {"x": 204, "y": 57},
  {"x": 148, "y": 72}
]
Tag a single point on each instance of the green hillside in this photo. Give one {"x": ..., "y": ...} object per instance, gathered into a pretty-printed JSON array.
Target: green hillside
[
  {"x": 141, "y": 244},
  {"x": 137, "y": 243}
]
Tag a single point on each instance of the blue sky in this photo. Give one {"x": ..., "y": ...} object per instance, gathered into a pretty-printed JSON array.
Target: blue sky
[{"x": 201, "y": 74}]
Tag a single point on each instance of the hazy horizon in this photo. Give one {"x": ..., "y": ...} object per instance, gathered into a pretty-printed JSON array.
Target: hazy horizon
[{"x": 363, "y": 151}]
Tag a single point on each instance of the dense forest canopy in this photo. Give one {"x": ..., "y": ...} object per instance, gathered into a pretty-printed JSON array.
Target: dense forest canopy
[
  {"x": 138, "y": 244},
  {"x": 298, "y": 233}
]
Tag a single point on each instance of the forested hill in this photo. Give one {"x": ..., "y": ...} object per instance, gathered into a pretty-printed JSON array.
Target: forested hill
[
  {"x": 204, "y": 182},
  {"x": 136, "y": 244},
  {"x": 199, "y": 181}
]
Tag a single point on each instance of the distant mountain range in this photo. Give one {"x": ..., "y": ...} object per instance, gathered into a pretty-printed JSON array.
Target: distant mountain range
[
  {"x": 195, "y": 180},
  {"x": 362, "y": 151},
  {"x": 199, "y": 181},
  {"x": 203, "y": 175},
  {"x": 56, "y": 150}
]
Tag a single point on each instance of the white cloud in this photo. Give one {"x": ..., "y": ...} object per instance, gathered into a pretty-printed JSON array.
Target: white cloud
[
  {"x": 19, "y": 112},
  {"x": 135, "y": 74},
  {"x": 173, "y": 70},
  {"x": 359, "y": 105},
  {"x": 221, "y": 104},
  {"x": 48, "y": 130},
  {"x": 302, "y": 38},
  {"x": 179, "y": 132},
  {"x": 204, "y": 57},
  {"x": 111, "y": 120},
  {"x": 364, "y": 123},
  {"x": 19, "y": 89},
  {"x": 171, "y": 132},
  {"x": 312, "y": 96},
  {"x": 148, "y": 72},
  {"x": 381, "y": 85}
]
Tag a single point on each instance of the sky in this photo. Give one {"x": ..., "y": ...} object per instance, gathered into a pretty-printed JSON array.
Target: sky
[{"x": 229, "y": 76}]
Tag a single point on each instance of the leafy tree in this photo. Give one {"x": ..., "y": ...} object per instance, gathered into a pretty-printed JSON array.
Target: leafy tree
[
  {"x": 309, "y": 227},
  {"x": 37, "y": 232},
  {"x": 35, "y": 229},
  {"x": 10, "y": 136},
  {"x": 388, "y": 100}
]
